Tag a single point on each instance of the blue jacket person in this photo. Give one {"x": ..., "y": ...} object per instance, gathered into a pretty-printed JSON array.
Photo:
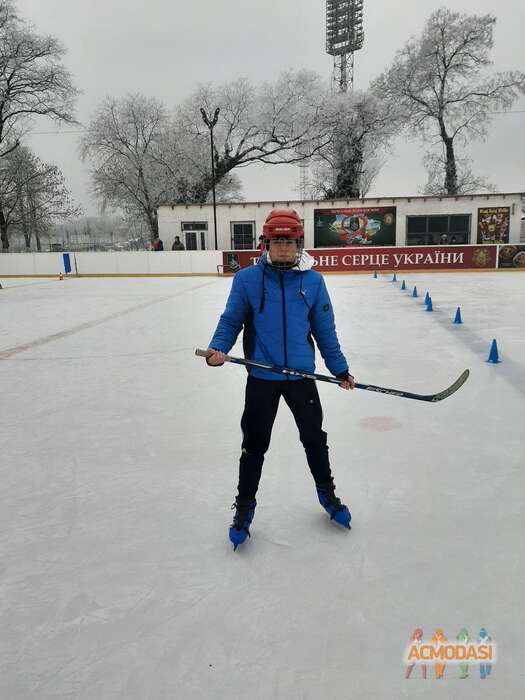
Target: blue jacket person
[{"x": 282, "y": 304}]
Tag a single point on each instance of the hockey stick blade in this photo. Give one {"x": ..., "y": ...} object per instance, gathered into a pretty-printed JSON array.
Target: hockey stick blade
[
  {"x": 432, "y": 398},
  {"x": 452, "y": 388}
]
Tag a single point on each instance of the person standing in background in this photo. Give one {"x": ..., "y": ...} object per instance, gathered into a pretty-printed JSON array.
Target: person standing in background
[{"x": 177, "y": 244}]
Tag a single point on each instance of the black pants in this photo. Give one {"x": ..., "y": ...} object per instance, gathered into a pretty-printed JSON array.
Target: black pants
[{"x": 260, "y": 409}]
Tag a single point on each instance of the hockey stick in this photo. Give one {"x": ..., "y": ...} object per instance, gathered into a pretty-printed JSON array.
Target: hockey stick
[{"x": 334, "y": 380}]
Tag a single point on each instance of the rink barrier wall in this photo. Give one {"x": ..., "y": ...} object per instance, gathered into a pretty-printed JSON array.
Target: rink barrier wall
[
  {"x": 112, "y": 264},
  {"x": 208, "y": 262}
]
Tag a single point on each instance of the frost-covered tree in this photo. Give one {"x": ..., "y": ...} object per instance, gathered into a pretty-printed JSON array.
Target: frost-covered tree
[
  {"x": 121, "y": 140},
  {"x": 440, "y": 84},
  {"x": 33, "y": 82},
  {"x": 143, "y": 159},
  {"x": 33, "y": 194},
  {"x": 275, "y": 123},
  {"x": 466, "y": 181},
  {"x": 359, "y": 131}
]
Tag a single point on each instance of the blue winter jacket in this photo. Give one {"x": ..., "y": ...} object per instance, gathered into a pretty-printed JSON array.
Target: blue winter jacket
[{"x": 280, "y": 312}]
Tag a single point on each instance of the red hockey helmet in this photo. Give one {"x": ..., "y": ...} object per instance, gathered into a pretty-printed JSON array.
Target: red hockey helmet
[{"x": 283, "y": 223}]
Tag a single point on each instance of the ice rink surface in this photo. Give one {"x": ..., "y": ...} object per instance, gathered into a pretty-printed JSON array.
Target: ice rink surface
[{"x": 119, "y": 453}]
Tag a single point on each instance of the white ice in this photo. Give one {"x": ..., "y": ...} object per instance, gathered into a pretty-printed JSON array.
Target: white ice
[{"x": 119, "y": 455}]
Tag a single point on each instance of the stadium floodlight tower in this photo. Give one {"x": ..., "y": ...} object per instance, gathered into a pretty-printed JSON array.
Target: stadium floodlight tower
[{"x": 344, "y": 36}]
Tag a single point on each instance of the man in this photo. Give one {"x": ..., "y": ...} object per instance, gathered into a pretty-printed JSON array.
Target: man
[
  {"x": 281, "y": 303},
  {"x": 177, "y": 244}
]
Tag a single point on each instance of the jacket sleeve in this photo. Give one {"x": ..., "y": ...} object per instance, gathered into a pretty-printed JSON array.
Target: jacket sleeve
[
  {"x": 232, "y": 320},
  {"x": 322, "y": 323}
]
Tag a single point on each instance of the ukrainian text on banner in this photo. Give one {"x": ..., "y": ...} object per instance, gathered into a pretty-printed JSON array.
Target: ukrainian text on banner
[{"x": 384, "y": 259}]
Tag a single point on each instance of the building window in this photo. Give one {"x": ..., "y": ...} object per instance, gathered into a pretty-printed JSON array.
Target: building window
[
  {"x": 444, "y": 229},
  {"x": 194, "y": 226},
  {"x": 243, "y": 235},
  {"x": 195, "y": 234},
  {"x": 191, "y": 240}
]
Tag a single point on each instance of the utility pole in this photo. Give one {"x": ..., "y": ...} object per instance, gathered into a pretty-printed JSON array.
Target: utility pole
[{"x": 211, "y": 124}]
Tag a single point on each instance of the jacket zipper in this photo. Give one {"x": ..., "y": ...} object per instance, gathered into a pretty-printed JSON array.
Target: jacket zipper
[{"x": 284, "y": 322}]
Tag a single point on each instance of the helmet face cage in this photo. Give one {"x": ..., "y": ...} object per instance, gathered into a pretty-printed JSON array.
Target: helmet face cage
[
  {"x": 284, "y": 225},
  {"x": 284, "y": 265}
]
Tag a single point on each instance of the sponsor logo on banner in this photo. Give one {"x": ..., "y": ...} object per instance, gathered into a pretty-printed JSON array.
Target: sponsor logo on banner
[{"x": 512, "y": 256}]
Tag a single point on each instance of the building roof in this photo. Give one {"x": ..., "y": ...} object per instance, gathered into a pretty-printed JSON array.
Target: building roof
[{"x": 288, "y": 202}]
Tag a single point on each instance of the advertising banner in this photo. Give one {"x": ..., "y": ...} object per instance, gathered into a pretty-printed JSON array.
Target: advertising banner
[
  {"x": 385, "y": 259},
  {"x": 493, "y": 225},
  {"x": 512, "y": 256},
  {"x": 358, "y": 226}
]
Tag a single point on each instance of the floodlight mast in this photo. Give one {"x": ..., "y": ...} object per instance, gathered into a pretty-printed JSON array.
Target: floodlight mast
[{"x": 344, "y": 36}]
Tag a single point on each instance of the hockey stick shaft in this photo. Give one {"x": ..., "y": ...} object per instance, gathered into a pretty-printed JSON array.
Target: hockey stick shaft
[{"x": 334, "y": 380}]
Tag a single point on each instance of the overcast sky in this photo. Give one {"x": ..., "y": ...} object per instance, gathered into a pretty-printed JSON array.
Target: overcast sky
[{"x": 163, "y": 48}]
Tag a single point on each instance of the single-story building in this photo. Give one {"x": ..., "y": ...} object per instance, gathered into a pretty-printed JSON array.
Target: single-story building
[{"x": 399, "y": 221}]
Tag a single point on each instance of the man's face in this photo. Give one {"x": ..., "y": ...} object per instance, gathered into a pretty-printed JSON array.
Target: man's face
[{"x": 283, "y": 250}]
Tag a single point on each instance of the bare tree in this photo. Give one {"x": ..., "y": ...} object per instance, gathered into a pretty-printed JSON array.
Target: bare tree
[
  {"x": 360, "y": 130},
  {"x": 128, "y": 141},
  {"x": 33, "y": 195},
  {"x": 439, "y": 84},
  {"x": 144, "y": 157},
  {"x": 276, "y": 123},
  {"x": 467, "y": 182},
  {"x": 33, "y": 82},
  {"x": 184, "y": 158}
]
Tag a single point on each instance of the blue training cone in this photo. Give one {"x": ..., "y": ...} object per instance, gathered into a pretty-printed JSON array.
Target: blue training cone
[
  {"x": 427, "y": 297},
  {"x": 458, "y": 316},
  {"x": 493, "y": 355},
  {"x": 403, "y": 286},
  {"x": 429, "y": 304},
  {"x": 414, "y": 293},
  {"x": 394, "y": 278},
  {"x": 375, "y": 274}
]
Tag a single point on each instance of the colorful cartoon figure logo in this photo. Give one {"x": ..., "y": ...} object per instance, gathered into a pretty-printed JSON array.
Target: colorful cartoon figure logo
[
  {"x": 484, "y": 669},
  {"x": 438, "y": 651},
  {"x": 438, "y": 639},
  {"x": 416, "y": 638},
  {"x": 463, "y": 637}
]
